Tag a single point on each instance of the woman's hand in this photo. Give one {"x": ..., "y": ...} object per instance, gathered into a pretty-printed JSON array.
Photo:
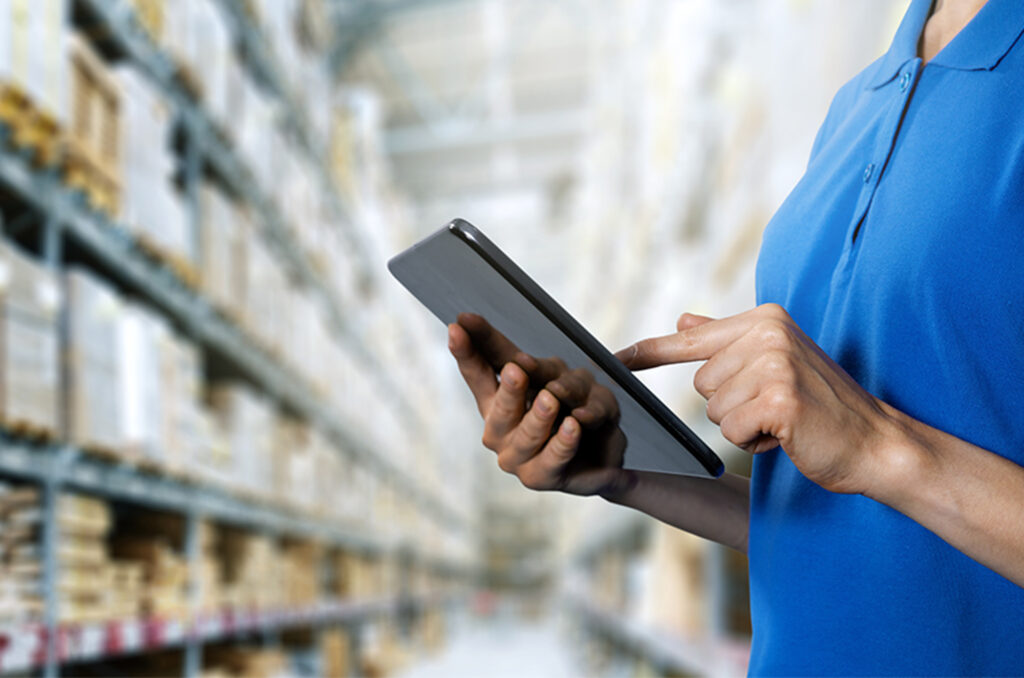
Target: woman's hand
[
  {"x": 767, "y": 384},
  {"x": 552, "y": 427}
]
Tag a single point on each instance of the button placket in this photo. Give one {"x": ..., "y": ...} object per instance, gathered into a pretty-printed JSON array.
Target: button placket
[{"x": 888, "y": 132}]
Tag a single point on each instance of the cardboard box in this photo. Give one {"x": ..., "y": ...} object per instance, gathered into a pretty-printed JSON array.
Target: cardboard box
[
  {"x": 220, "y": 249},
  {"x": 29, "y": 358},
  {"x": 93, "y": 395},
  {"x": 246, "y": 419},
  {"x": 93, "y": 156}
]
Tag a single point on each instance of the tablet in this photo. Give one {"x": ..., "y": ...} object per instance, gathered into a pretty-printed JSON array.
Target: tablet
[{"x": 458, "y": 270}]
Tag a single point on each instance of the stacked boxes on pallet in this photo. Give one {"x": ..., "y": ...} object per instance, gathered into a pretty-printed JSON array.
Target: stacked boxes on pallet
[
  {"x": 251, "y": 570},
  {"x": 133, "y": 385},
  {"x": 29, "y": 359},
  {"x": 245, "y": 662},
  {"x": 94, "y": 312},
  {"x": 163, "y": 572},
  {"x": 141, "y": 335},
  {"x": 21, "y": 594},
  {"x": 33, "y": 74},
  {"x": 93, "y": 156},
  {"x": 151, "y": 207},
  {"x": 300, "y": 579},
  {"x": 222, "y": 250},
  {"x": 83, "y": 524},
  {"x": 246, "y": 420}
]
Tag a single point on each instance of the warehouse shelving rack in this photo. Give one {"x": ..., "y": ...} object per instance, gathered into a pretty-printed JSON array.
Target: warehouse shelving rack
[
  {"x": 712, "y": 654},
  {"x": 666, "y": 653},
  {"x": 118, "y": 20},
  {"x": 56, "y": 467}
]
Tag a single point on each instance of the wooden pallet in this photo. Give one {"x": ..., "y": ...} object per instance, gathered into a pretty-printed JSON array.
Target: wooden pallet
[
  {"x": 82, "y": 172},
  {"x": 177, "y": 264},
  {"x": 149, "y": 465},
  {"x": 32, "y": 129},
  {"x": 103, "y": 452},
  {"x": 31, "y": 430}
]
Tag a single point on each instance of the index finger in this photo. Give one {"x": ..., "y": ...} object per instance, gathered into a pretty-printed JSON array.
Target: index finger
[
  {"x": 696, "y": 343},
  {"x": 477, "y": 372},
  {"x": 492, "y": 345}
]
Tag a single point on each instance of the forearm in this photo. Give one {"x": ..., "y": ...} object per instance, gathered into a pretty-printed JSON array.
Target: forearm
[
  {"x": 968, "y": 496},
  {"x": 718, "y": 510}
]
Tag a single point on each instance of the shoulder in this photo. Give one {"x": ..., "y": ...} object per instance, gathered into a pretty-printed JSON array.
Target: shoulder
[{"x": 843, "y": 103}]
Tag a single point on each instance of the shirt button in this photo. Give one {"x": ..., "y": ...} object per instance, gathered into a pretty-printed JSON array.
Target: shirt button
[
  {"x": 868, "y": 171},
  {"x": 904, "y": 82}
]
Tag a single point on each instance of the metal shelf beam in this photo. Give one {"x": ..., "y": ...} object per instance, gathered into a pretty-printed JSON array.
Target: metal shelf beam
[
  {"x": 22, "y": 648},
  {"x": 122, "y": 482}
]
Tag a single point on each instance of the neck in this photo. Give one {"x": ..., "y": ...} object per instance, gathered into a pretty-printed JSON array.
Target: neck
[
  {"x": 958, "y": 8},
  {"x": 948, "y": 18}
]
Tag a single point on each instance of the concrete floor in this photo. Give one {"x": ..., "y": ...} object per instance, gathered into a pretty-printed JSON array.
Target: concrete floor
[{"x": 501, "y": 647}]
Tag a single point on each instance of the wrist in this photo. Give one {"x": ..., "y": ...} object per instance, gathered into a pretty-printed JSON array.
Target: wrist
[
  {"x": 902, "y": 460},
  {"x": 623, "y": 490}
]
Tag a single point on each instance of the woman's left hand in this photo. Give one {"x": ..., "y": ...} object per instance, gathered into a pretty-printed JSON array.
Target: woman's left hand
[{"x": 767, "y": 384}]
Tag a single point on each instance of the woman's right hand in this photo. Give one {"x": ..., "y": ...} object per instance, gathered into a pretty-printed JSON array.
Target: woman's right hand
[{"x": 552, "y": 427}]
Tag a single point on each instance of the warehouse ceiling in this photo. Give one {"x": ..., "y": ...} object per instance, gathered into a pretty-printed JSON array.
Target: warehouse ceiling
[{"x": 480, "y": 96}]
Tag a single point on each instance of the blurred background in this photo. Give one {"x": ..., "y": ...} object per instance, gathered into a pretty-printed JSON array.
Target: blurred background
[{"x": 232, "y": 445}]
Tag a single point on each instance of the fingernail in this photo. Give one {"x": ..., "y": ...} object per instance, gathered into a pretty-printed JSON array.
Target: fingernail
[
  {"x": 628, "y": 354},
  {"x": 544, "y": 403},
  {"x": 510, "y": 378},
  {"x": 568, "y": 428}
]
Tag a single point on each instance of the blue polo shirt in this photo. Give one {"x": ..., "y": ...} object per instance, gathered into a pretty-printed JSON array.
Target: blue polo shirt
[{"x": 901, "y": 252}]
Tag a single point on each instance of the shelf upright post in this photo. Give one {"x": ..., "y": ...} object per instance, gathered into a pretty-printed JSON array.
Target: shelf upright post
[
  {"x": 193, "y": 641},
  {"x": 53, "y": 257},
  {"x": 354, "y": 636},
  {"x": 194, "y": 148},
  {"x": 270, "y": 634},
  {"x": 51, "y": 491}
]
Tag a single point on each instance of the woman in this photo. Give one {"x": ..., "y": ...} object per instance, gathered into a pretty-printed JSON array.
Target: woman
[{"x": 879, "y": 383}]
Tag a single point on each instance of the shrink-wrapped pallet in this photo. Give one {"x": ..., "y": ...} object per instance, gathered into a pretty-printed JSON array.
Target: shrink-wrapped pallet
[
  {"x": 93, "y": 386},
  {"x": 184, "y": 432},
  {"x": 247, "y": 421},
  {"x": 220, "y": 247},
  {"x": 151, "y": 206},
  {"x": 141, "y": 334},
  {"x": 34, "y": 73},
  {"x": 211, "y": 52},
  {"x": 180, "y": 37},
  {"x": 266, "y": 309},
  {"x": 29, "y": 359}
]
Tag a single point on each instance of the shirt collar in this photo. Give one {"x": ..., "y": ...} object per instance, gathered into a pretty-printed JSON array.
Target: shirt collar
[{"x": 981, "y": 45}]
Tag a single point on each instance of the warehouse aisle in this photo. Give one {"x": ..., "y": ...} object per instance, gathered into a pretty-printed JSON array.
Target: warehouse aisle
[{"x": 502, "y": 647}]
